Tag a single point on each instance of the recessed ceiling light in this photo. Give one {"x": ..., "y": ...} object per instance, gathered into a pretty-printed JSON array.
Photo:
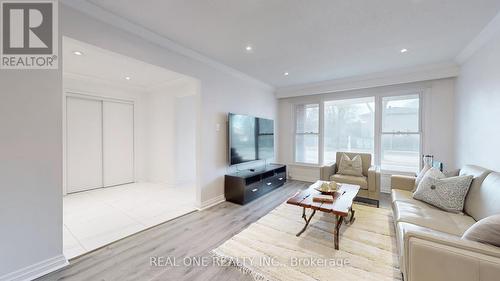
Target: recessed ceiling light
[
  {"x": 404, "y": 50},
  {"x": 286, "y": 73},
  {"x": 248, "y": 48},
  {"x": 127, "y": 78},
  {"x": 77, "y": 53}
]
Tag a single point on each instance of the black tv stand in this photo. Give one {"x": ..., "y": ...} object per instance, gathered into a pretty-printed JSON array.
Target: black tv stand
[{"x": 246, "y": 185}]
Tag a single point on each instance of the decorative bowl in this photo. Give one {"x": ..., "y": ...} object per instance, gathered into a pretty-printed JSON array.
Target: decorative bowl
[{"x": 327, "y": 187}]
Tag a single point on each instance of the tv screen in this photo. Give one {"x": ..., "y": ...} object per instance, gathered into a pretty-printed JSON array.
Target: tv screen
[
  {"x": 250, "y": 138},
  {"x": 265, "y": 139}
]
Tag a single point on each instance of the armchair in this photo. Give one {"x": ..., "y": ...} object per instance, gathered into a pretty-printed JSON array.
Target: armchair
[{"x": 369, "y": 182}]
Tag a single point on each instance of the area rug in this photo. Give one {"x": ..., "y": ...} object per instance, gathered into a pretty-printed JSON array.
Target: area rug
[{"x": 269, "y": 250}]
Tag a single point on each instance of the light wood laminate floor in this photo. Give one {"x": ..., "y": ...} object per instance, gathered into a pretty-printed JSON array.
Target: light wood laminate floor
[{"x": 192, "y": 235}]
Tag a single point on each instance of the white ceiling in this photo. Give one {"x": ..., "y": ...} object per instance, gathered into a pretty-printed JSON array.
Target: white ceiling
[
  {"x": 314, "y": 40},
  {"x": 111, "y": 67}
]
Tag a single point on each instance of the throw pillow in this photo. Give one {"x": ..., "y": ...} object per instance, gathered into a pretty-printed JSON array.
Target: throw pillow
[
  {"x": 351, "y": 167},
  {"x": 421, "y": 175},
  {"x": 445, "y": 193},
  {"x": 486, "y": 230},
  {"x": 434, "y": 173}
]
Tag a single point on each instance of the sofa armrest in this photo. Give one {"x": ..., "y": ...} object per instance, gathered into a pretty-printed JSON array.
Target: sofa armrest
[
  {"x": 446, "y": 257},
  {"x": 327, "y": 171},
  {"x": 403, "y": 182},
  {"x": 374, "y": 179},
  {"x": 452, "y": 173}
]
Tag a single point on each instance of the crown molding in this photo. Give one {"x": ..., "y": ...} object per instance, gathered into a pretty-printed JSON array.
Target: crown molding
[
  {"x": 490, "y": 31},
  {"x": 121, "y": 23},
  {"x": 393, "y": 77}
]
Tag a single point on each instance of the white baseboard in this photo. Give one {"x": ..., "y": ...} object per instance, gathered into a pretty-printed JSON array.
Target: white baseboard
[
  {"x": 36, "y": 270},
  {"x": 212, "y": 202}
]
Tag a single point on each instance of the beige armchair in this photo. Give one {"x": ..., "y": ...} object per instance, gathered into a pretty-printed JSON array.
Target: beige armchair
[{"x": 369, "y": 182}]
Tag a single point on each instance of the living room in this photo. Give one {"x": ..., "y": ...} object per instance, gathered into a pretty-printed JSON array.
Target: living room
[{"x": 331, "y": 140}]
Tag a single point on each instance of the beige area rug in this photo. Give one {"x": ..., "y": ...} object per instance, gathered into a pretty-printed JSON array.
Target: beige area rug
[{"x": 269, "y": 250}]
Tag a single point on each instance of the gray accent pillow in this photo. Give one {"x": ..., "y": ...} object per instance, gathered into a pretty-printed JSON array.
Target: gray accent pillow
[
  {"x": 445, "y": 193},
  {"x": 486, "y": 230},
  {"x": 351, "y": 167}
]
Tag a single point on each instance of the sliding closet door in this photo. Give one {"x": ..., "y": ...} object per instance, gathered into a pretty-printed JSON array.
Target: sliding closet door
[
  {"x": 118, "y": 143},
  {"x": 84, "y": 144}
]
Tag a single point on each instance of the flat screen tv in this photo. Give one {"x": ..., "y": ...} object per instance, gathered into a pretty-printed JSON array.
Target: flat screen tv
[{"x": 250, "y": 138}]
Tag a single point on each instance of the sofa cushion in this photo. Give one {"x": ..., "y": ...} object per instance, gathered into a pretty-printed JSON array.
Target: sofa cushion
[
  {"x": 486, "y": 230},
  {"x": 401, "y": 195},
  {"x": 475, "y": 196},
  {"x": 483, "y": 200},
  {"x": 366, "y": 160},
  {"x": 407, "y": 196},
  {"x": 435, "y": 219},
  {"x": 361, "y": 181},
  {"x": 351, "y": 166},
  {"x": 445, "y": 193}
]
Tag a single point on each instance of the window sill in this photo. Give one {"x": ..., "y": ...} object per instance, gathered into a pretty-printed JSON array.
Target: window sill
[
  {"x": 305, "y": 165},
  {"x": 395, "y": 172}
]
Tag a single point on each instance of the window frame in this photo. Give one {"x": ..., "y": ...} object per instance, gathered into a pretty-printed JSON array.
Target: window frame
[
  {"x": 420, "y": 131},
  {"x": 378, "y": 99}
]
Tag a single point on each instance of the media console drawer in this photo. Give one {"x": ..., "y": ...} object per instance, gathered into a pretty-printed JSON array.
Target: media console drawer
[{"x": 245, "y": 186}]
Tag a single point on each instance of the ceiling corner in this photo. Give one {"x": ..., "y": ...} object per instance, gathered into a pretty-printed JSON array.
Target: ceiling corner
[{"x": 489, "y": 32}]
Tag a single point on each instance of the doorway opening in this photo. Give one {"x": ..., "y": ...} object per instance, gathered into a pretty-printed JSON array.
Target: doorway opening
[{"x": 129, "y": 146}]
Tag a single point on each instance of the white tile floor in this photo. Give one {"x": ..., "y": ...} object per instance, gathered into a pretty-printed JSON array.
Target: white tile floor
[{"x": 98, "y": 217}]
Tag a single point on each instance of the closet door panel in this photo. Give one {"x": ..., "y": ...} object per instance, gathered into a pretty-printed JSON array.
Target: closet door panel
[
  {"x": 118, "y": 143},
  {"x": 84, "y": 144}
]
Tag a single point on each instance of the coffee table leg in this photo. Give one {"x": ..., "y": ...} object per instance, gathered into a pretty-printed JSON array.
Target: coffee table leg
[
  {"x": 350, "y": 217},
  {"x": 338, "y": 223},
  {"x": 306, "y": 219}
]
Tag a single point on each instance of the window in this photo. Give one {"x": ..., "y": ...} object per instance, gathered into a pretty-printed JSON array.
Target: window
[
  {"x": 349, "y": 126},
  {"x": 388, "y": 127},
  {"x": 307, "y": 133},
  {"x": 400, "y": 137}
]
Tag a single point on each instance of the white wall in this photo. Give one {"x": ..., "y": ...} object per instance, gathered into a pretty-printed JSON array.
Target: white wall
[
  {"x": 171, "y": 132},
  {"x": 478, "y": 108},
  {"x": 438, "y": 116},
  {"x": 160, "y": 148},
  {"x": 221, "y": 92},
  {"x": 185, "y": 137},
  {"x": 30, "y": 168}
]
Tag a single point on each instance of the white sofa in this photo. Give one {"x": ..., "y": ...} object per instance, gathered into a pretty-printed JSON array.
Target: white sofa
[{"x": 429, "y": 240}]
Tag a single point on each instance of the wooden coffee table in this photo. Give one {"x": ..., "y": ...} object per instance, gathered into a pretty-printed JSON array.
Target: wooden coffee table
[{"x": 341, "y": 206}]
